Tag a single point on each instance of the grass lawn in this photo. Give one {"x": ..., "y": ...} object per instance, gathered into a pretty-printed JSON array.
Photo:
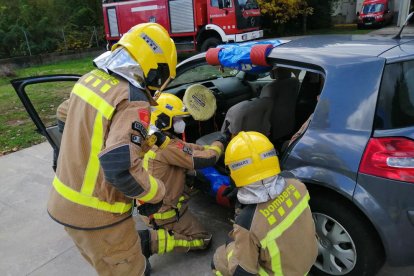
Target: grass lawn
[
  {"x": 16, "y": 127},
  {"x": 340, "y": 29}
]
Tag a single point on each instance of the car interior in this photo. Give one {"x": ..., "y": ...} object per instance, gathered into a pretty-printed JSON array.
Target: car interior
[{"x": 275, "y": 103}]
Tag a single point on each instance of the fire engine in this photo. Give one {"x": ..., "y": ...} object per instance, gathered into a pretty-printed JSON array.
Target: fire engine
[{"x": 193, "y": 24}]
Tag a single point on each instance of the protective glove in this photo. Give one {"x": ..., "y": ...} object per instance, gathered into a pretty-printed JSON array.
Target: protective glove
[
  {"x": 148, "y": 209},
  {"x": 225, "y": 137},
  {"x": 231, "y": 192},
  {"x": 159, "y": 139}
]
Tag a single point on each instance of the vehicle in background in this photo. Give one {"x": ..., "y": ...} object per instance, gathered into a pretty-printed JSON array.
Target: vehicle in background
[
  {"x": 375, "y": 13},
  {"x": 192, "y": 24}
]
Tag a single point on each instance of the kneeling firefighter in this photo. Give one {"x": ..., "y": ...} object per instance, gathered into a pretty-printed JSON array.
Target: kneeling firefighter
[
  {"x": 99, "y": 171},
  {"x": 174, "y": 227},
  {"x": 274, "y": 233}
]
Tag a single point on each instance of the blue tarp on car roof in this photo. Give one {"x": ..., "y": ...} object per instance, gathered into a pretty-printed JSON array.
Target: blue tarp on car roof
[{"x": 237, "y": 55}]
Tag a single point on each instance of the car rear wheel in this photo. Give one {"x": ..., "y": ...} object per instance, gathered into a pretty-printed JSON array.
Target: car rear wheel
[{"x": 348, "y": 244}]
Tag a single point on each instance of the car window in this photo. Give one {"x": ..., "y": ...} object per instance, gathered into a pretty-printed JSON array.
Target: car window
[
  {"x": 396, "y": 99},
  {"x": 46, "y": 97},
  {"x": 202, "y": 73}
]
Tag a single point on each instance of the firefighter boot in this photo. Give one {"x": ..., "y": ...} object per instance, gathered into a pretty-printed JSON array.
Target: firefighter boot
[{"x": 145, "y": 237}]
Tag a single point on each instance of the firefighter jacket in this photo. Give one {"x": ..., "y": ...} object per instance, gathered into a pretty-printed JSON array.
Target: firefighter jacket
[
  {"x": 275, "y": 237},
  {"x": 170, "y": 165},
  {"x": 61, "y": 115},
  {"x": 100, "y": 163}
]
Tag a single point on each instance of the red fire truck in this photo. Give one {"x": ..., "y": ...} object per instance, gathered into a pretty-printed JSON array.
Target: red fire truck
[{"x": 193, "y": 24}]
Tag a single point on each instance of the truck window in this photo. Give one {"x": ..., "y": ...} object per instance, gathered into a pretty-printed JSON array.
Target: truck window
[
  {"x": 395, "y": 107},
  {"x": 371, "y": 8},
  {"x": 228, "y": 3},
  {"x": 248, "y": 4}
]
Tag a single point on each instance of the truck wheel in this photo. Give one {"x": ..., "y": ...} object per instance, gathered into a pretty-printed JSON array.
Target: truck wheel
[
  {"x": 258, "y": 54},
  {"x": 210, "y": 42},
  {"x": 346, "y": 241}
]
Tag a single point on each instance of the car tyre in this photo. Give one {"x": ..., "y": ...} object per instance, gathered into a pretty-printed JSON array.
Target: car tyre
[
  {"x": 347, "y": 243},
  {"x": 210, "y": 42}
]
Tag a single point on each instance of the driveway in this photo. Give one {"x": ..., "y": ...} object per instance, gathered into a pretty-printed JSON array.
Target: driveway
[{"x": 393, "y": 30}]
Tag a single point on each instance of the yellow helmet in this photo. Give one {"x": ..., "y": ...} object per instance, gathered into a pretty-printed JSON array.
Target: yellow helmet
[
  {"x": 150, "y": 45},
  {"x": 169, "y": 106},
  {"x": 251, "y": 157}
]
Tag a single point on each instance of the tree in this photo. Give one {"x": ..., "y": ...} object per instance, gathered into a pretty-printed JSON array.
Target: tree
[
  {"x": 284, "y": 10},
  {"x": 43, "y": 22}
]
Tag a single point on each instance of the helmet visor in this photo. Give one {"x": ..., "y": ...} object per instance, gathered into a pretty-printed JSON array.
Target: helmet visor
[{"x": 157, "y": 77}]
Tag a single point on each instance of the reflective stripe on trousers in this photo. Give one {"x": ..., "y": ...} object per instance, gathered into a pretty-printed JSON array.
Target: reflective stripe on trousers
[{"x": 167, "y": 242}]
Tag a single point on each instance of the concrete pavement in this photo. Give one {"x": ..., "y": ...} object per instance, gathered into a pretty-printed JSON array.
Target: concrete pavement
[
  {"x": 393, "y": 30},
  {"x": 32, "y": 244}
]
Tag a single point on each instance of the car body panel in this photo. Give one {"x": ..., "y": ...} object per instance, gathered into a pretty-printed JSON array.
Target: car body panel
[
  {"x": 387, "y": 203},
  {"x": 329, "y": 153},
  {"x": 402, "y": 51}
]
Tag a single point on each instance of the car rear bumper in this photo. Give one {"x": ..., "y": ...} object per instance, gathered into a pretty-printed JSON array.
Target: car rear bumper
[{"x": 389, "y": 205}]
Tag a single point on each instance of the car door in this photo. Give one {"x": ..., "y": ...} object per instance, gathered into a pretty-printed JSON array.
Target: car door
[{"x": 41, "y": 96}]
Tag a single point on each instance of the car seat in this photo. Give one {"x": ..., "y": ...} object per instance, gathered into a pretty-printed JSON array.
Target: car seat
[
  {"x": 307, "y": 97},
  {"x": 283, "y": 94},
  {"x": 249, "y": 115}
]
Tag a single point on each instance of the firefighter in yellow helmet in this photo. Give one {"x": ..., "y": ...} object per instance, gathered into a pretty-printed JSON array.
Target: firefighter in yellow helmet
[
  {"x": 99, "y": 171},
  {"x": 274, "y": 233},
  {"x": 174, "y": 227}
]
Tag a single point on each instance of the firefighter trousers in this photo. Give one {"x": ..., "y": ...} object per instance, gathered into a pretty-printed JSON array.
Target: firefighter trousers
[
  {"x": 115, "y": 250},
  {"x": 182, "y": 235}
]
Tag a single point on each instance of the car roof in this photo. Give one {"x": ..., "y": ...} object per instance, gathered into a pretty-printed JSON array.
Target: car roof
[{"x": 337, "y": 49}]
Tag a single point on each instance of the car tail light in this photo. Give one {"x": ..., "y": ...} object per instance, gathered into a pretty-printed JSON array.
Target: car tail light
[{"x": 391, "y": 157}]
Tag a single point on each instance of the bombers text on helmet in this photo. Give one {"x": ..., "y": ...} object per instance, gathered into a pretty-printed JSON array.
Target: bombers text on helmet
[
  {"x": 150, "y": 45},
  {"x": 251, "y": 157},
  {"x": 169, "y": 106}
]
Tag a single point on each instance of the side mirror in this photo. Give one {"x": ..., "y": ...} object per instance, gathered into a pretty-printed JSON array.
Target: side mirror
[{"x": 357, "y": 14}]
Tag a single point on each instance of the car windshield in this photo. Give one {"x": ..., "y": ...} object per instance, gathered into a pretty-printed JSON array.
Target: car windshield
[
  {"x": 370, "y": 8},
  {"x": 202, "y": 73},
  {"x": 248, "y": 4}
]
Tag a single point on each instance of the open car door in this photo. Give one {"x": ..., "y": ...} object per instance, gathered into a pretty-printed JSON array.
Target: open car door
[{"x": 41, "y": 95}]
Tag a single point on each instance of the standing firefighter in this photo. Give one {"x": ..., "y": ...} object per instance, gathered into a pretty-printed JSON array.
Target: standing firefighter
[
  {"x": 175, "y": 228},
  {"x": 274, "y": 233},
  {"x": 100, "y": 170}
]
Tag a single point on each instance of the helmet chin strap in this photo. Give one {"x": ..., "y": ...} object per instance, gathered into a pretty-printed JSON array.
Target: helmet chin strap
[{"x": 158, "y": 93}]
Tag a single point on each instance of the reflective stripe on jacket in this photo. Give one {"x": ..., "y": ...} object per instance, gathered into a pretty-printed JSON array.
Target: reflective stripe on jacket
[
  {"x": 99, "y": 167},
  {"x": 272, "y": 238}
]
